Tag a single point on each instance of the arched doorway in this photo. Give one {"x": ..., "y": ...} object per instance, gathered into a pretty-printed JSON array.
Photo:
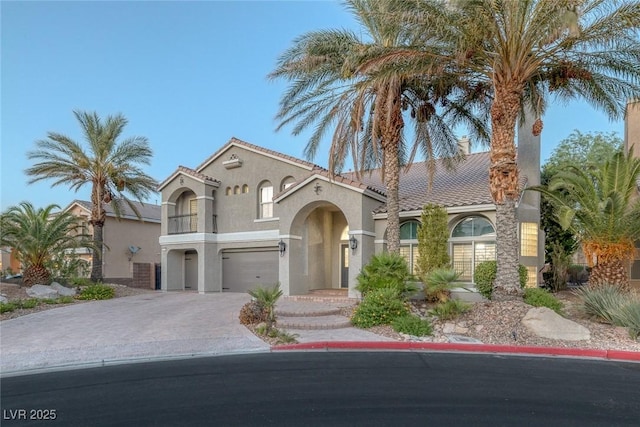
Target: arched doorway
[{"x": 319, "y": 253}]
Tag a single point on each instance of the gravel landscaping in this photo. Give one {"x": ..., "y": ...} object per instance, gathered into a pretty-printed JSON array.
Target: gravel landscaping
[{"x": 488, "y": 322}]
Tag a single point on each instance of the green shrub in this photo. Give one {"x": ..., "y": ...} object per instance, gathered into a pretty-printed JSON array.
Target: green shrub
[
  {"x": 379, "y": 307},
  {"x": 6, "y": 307},
  {"x": 412, "y": 325},
  {"x": 97, "y": 292},
  {"x": 29, "y": 303},
  {"x": 601, "y": 302},
  {"x": 629, "y": 316},
  {"x": 80, "y": 281},
  {"x": 438, "y": 284},
  {"x": 267, "y": 297},
  {"x": 450, "y": 310},
  {"x": 485, "y": 275},
  {"x": 386, "y": 270},
  {"x": 541, "y": 298}
]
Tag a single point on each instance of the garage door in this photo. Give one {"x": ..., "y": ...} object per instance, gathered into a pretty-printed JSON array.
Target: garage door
[{"x": 244, "y": 270}]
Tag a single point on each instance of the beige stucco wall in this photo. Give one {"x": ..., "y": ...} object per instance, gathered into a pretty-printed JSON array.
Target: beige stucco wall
[
  {"x": 240, "y": 212},
  {"x": 118, "y": 235}
]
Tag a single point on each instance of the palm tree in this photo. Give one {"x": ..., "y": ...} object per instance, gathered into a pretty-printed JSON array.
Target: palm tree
[
  {"x": 600, "y": 207},
  {"x": 525, "y": 51},
  {"x": 110, "y": 167},
  {"x": 39, "y": 236},
  {"x": 335, "y": 83}
]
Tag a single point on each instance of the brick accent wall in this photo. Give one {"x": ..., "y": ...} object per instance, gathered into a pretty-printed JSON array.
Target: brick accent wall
[{"x": 143, "y": 275}]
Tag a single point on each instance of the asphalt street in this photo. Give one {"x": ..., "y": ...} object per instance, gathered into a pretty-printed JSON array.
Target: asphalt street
[{"x": 332, "y": 389}]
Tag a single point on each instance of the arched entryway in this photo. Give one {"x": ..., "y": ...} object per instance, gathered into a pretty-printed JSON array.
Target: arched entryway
[
  {"x": 319, "y": 249},
  {"x": 181, "y": 271}
]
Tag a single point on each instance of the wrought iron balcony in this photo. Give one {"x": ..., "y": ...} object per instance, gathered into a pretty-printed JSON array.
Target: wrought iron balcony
[{"x": 182, "y": 224}]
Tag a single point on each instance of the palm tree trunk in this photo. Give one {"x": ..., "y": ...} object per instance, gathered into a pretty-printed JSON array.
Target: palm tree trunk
[
  {"x": 391, "y": 125},
  {"x": 503, "y": 182},
  {"x": 610, "y": 273},
  {"x": 96, "y": 265},
  {"x": 97, "y": 222}
]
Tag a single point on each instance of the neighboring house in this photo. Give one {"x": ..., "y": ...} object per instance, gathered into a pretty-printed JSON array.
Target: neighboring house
[
  {"x": 632, "y": 139},
  {"x": 250, "y": 216},
  {"x": 8, "y": 261},
  {"x": 131, "y": 247}
]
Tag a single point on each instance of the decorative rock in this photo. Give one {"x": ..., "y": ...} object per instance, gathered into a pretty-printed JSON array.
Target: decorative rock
[
  {"x": 461, "y": 330},
  {"x": 449, "y": 328},
  {"x": 479, "y": 328},
  {"x": 546, "y": 323},
  {"x": 42, "y": 292},
  {"x": 3, "y": 298},
  {"x": 62, "y": 290}
]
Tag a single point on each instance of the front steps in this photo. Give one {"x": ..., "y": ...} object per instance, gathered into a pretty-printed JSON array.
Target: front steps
[{"x": 312, "y": 312}]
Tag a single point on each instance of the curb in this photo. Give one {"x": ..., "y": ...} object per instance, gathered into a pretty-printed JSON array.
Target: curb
[{"x": 620, "y": 355}]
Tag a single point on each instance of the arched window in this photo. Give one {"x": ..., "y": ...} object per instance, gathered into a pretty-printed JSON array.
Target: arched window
[
  {"x": 409, "y": 243},
  {"x": 227, "y": 192},
  {"x": 473, "y": 240},
  {"x": 266, "y": 200},
  {"x": 287, "y": 182},
  {"x": 245, "y": 188},
  {"x": 236, "y": 189}
]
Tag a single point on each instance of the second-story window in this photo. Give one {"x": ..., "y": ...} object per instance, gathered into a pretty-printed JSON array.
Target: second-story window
[{"x": 266, "y": 200}]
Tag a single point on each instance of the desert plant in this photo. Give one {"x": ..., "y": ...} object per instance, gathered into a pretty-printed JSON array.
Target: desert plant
[
  {"x": 252, "y": 313},
  {"x": 628, "y": 316},
  {"x": 379, "y": 307},
  {"x": 450, "y": 310},
  {"x": 267, "y": 297},
  {"x": 601, "y": 302},
  {"x": 541, "y": 298},
  {"x": 386, "y": 270},
  {"x": 97, "y": 291},
  {"x": 560, "y": 260},
  {"x": 438, "y": 284},
  {"x": 484, "y": 277},
  {"x": 412, "y": 325}
]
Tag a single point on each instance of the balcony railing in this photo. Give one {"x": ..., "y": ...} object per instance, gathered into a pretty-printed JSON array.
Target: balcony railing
[{"x": 182, "y": 224}]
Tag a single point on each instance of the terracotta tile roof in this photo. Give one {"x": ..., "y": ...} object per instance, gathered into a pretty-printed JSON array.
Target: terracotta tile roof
[
  {"x": 467, "y": 184},
  {"x": 236, "y": 141},
  {"x": 148, "y": 211}
]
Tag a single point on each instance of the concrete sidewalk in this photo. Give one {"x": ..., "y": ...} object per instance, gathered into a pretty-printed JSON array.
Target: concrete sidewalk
[{"x": 147, "y": 326}]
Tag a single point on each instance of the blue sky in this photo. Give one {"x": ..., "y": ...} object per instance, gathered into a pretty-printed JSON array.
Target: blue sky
[{"x": 187, "y": 75}]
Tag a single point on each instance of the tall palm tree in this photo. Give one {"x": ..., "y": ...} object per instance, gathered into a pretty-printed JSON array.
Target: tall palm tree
[
  {"x": 600, "y": 207},
  {"x": 111, "y": 168},
  {"x": 335, "y": 84},
  {"x": 38, "y": 236},
  {"x": 525, "y": 51}
]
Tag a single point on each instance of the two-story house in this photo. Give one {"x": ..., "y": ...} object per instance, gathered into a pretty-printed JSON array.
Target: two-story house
[{"x": 251, "y": 216}]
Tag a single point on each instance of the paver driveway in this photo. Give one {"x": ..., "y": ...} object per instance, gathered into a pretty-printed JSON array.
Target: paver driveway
[{"x": 136, "y": 327}]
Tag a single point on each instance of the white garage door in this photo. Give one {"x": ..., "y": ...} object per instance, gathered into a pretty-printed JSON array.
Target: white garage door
[{"x": 244, "y": 270}]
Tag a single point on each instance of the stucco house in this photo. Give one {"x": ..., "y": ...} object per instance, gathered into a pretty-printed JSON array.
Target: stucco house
[
  {"x": 131, "y": 248},
  {"x": 248, "y": 216}
]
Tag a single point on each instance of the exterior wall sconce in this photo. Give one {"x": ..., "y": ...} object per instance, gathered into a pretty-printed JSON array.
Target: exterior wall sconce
[
  {"x": 282, "y": 247},
  {"x": 181, "y": 180},
  {"x": 353, "y": 243},
  {"x": 317, "y": 188}
]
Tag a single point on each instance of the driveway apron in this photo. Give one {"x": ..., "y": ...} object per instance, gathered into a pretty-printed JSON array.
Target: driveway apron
[{"x": 138, "y": 327}]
